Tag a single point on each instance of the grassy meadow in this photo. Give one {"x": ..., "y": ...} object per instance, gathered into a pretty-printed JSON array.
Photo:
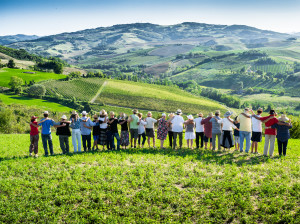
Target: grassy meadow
[
  {"x": 147, "y": 186},
  {"x": 7, "y": 73}
]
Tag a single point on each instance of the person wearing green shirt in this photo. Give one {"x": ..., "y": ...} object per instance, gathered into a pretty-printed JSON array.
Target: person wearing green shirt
[{"x": 133, "y": 121}]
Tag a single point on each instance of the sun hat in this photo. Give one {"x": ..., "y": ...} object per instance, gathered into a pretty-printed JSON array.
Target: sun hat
[
  {"x": 64, "y": 117},
  {"x": 33, "y": 117},
  {"x": 228, "y": 113},
  {"x": 200, "y": 115},
  {"x": 46, "y": 112},
  {"x": 178, "y": 112},
  {"x": 210, "y": 114},
  {"x": 283, "y": 118},
  {"x": 103, "y": 112},
  {"x": 260, "y": 109},
  {"x": 74, "y": 112},
  {"x": 135, "y": 111},
  {"x": 84, "y": 113},
  {"x": 163, "y": 115},
  {"x": 190, "y": 117},
  {"x": 149, "y": 112}
]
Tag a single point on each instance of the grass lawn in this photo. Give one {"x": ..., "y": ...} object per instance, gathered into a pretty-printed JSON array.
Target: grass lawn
[
  {"x": 147, "y": 186},
  {"x": 40, "y": 103},
  {"x": 7, "y": 73}
]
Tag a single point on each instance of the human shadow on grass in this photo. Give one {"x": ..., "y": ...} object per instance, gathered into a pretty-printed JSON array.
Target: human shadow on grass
[{"x": 218, "y": 157}]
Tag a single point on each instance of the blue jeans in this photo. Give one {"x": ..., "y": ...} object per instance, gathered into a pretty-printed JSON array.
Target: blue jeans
[
  {"x": 47, "y": 138},
  {"x": 245, "y": 135},
  {"x": 111, "y": 142}
]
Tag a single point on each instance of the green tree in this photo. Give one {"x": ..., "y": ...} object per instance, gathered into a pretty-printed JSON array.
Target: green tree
[
  {"x": 11, "y": 64},
  {"x": 16, "y": 84},
  {"x": 58, "y": 68},
  {"x": 37, "y": 90}
]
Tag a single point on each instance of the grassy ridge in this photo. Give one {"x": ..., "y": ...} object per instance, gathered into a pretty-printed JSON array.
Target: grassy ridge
[
  {"x": 154, "y": 97},
  {"x": 146, "y": 186},
  {"x": 6, "y": 73}
]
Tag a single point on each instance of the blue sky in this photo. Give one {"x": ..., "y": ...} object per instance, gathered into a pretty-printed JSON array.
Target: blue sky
[{"x": 42, "y": 17}]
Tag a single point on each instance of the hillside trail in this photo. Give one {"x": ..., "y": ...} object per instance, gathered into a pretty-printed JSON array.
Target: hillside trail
[{"x": 99, "y": 92}]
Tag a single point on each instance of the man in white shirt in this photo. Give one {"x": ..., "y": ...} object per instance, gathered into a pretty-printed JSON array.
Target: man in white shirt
[
  {"x": 150, "y": 128},
  {"x": 256, "y": 131},
  {"x": 199, "y": 130},
  {"x": 177, "y": 127}
]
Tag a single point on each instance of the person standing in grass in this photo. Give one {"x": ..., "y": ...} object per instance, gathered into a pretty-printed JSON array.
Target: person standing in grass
[
  {"x": 96, "y": 131},
  {"x": 150, "y": 132},
  {"x": 34, "y": 137},
  {"x": 177, "y": 128},
  {"x": 133, "y": 124},
  {"x": 141, "y": 130},
  {"x": 270, "y": 132},
  {"x": 162, "y": 130},
  {"x": 227, "y": 125},
  {"x": 190, "y": 131},
  {"x": 85, "y": 123},
  {"x": 236, "y": 135},
  {"x": 124, "y": 130},
  {"x": 76, "y": 133},
  {"x": 113, "y": 131},
  {"x": 245, "y": 129},
  {"x": 199, "y": 130},
  {"x": 283, "y": 133},
  {"x": 46, "y": 124},
  {"x": 103, "y": 129},
  {"x": 216, "y": 130},
  {"x": 256, "y": 131},
  {"x": 207, "y": 130},
  {"x": 170, "y": 132},
  {"x": 63, "y": 131}
]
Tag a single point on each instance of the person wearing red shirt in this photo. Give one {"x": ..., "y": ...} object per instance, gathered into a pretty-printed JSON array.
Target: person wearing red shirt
[
  {"x": 270, "y": 133},
  {"x": 34, "y": 137},
  {"x": 207, "y": 130}
]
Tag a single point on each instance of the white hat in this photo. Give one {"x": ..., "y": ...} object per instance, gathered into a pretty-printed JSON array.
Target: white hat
[
  {"x": 178, "y": 111},
  {"x": 84, "y": 113},
  {"x": 190, "y": 117},
  {"x": 103, "y": 112},
  {"x": 163, "y": 115},
  {"x": 64, "y": 117},
  {"x": 46, "y": 112},
  {"x": 74, "y": 112},
  {"x": 228, "y": 113},
  {"x": 283, "y": 118}
]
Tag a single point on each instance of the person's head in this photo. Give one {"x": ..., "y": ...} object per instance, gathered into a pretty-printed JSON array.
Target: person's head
[
  {"x": 95, "y": 117},
  {"x": 149, "y": 114},
  {"x": 200, "y": 115},
  {"x": 272, "y": 112},
  {"x": 210, "y": 114},
  {"x": 33, "y": 118},
  {"x": 217, "y": 113},
  {"x": 135, "y": 111},
  {"x": 246, "y": 110},
  {"x": 190, "y": 117},
  {"x": 283, "y": 118},
  {"x": 228, "y": 114},
  {"x": 112, "y": 114},
  {"x": 140, "y": 115},
  {"x": 259, "y": 111},
  {"x": 235, "y": 119},
  {"x": 46, "y": 114},
  {"x": 178, "y": 112},
  {"x": 74, "y": 114},
  {"x": 122, "y": 115},
  {"x": 102, "y": 113},
  {"x": 84, "y": 113},
  {"x": 63, "y": 118},
  {"x": 171, "y": 115},
  {"x": 163, "y": 115}
]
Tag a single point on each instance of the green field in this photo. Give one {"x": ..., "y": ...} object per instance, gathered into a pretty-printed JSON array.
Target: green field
[
  {"x": 147, "y": 186},
  {"x": 155, "y": 98},
  {"x": 39, "y": 103},
  {"x": 83, "y": 89},
  {"x": 6, "y": 73}
]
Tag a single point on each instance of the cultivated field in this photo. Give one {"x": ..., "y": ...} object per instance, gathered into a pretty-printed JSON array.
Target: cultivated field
[{"x": 147, "y": 185}]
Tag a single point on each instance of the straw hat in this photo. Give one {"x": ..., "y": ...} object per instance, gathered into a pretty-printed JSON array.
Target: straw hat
[
  {"x": 171, "y": 115},
  {"x": 135, "y": 111},
  {"x": 200, "y": 115},
  {"x": 103, "y": 112},
  {"x": 228, "y": 113},
  {"x": 178, "y": 112},
  {"x": 190, "y": 117},
  {"x": 46, "y": 112},
  {"x": 283, "y": 118},
  {"x": 64, "y": 117},
  {"x": 210, "y": 114},
  {"x": 74, "y": 112}
]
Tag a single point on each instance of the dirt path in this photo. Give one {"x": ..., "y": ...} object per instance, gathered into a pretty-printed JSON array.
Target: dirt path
[{"x": 99, "y": 92}]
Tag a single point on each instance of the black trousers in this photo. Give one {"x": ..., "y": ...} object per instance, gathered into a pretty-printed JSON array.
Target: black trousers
[
  {"x": 198, "y": 135},
  {"x": 171, "y": 137},
  {"x": 144, "y": 138},
  {"x": 86, "y": 139},
  {"x": 282, "y": 147},
  {"x": 226, "y": 135}
]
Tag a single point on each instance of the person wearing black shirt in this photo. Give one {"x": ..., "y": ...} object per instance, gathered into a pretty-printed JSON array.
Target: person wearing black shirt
[
  {"x": 124, "y": 130},
  {"x": 63, "y": 131},
  {"x": 113, "y": 131}
]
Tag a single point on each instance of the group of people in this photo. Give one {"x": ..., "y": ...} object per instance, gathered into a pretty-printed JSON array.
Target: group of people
[{"x": 135, "y": 130}]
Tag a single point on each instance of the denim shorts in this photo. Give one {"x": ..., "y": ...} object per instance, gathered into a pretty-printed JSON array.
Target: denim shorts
[{"x": 96, "y": 137}]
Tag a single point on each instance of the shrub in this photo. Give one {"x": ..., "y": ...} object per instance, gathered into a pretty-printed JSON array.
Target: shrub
[{"x": 37, "y": 90}]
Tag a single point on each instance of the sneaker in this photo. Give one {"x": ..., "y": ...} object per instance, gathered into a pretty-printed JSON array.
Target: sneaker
[
  {"x": 36, "y": 155},
  {"x": 30, "y": 154},
  {"x": 256, "y": 153}
]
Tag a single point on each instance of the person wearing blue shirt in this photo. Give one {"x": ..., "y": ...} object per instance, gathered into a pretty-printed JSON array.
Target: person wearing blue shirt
[{"x": 85, "y": 131}]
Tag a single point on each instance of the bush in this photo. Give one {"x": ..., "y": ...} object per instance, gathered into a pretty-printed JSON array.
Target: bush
[
  {"x": 16, "y": 84},
  {"x": 295, "y": 130},
  {"x": 37, "y": 90},
  {"x": 6, "y": 118}
]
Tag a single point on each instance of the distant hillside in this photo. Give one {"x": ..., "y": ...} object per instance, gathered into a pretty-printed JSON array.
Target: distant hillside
[
  {"x": 86, "y": 46},
  {"x": 16, "y": 38}
]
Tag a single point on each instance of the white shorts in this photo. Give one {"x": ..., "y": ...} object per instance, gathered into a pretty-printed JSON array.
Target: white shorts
[
  {"x": 190, "y": 135},
  {"x": 237, "y": 139}
]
